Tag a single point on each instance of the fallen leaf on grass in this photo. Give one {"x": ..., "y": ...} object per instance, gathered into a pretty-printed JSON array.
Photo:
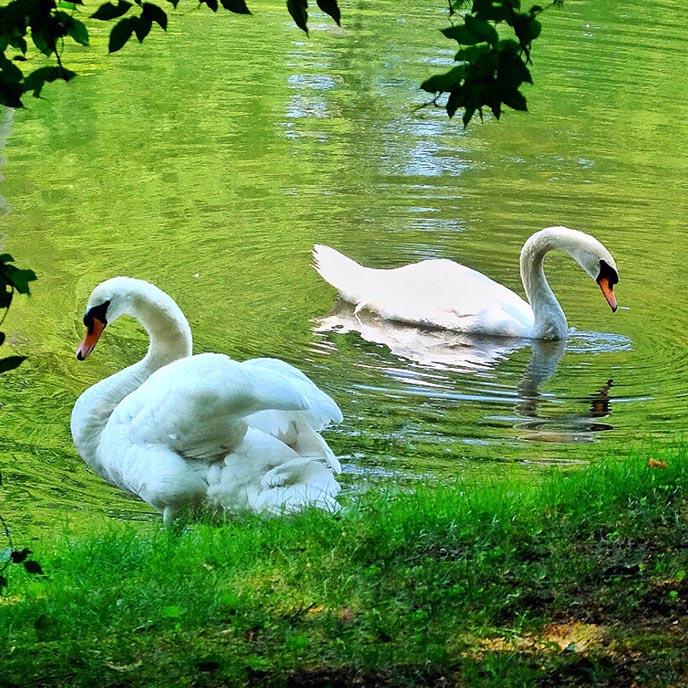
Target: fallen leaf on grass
[
  {"x": 656, "y": 463},
  {"x": 558, "y": 637}
]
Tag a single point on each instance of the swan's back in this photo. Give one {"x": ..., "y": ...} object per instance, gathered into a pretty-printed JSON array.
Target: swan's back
[{"x": 432, "y": 293}]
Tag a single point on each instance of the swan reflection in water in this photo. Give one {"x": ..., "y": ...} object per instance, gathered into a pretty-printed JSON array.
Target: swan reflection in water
[{"x": 442, "y": 350}]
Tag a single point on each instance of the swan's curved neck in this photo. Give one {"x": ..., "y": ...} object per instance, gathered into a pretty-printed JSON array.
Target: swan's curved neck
[
  {"x": 170, "y": 339},
  {"x": 550, "y": 321}
]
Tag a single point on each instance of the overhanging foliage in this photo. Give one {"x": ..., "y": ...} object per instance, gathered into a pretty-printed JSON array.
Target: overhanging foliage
[{"x": 490, "y": 72}]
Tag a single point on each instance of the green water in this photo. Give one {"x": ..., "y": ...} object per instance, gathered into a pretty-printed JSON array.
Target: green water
[{"x": 209, "y": 161}]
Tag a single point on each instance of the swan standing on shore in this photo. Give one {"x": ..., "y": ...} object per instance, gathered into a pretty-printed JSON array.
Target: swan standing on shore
[
  {"x": 440, "y": 293},
  {"x": 181, "y": 431}
]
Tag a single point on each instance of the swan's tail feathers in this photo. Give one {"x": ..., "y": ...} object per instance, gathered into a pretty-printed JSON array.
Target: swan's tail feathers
[{"x": 341, "y": 272}]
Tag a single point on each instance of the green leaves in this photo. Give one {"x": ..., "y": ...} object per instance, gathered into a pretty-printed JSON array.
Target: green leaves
[
  {"x": 473, "y": 31},
  {"x": 139, "y": 26},
  {"x": 443, "y": 83},
  {"x": 330, "y": 8},
  {"x": 78, "y": 32},
  {"x": 14, "y": 276},
  {"x": 236, "y": 6},
  {"x": 13, "y": 279},
  {"x": 110, "y": 11},
  {"x": 154, "y": 14},
  {"x": 299, "y": 13},
  {"x": 9, "y": 555},
  {"x": 35, "y": 81},
  {"x": 491, "y": 70},
  {"x": 47, "y": 23},
  {"x": 121, "y": 33},
  {"x": 10, "y": 363}
]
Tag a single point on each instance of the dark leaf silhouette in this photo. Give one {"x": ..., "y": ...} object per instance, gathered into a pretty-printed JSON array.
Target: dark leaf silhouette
[
  {"x": 33, "y": 567},
  {"x": 331, "y": 8},
  {"x": 299, "y": 12},
  {"x": 110, "y": 11}
]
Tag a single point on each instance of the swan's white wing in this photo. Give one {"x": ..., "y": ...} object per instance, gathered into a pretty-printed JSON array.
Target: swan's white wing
[
  {"x": 298, "y": 429},
  {"x": 321, "y": 410},
  {"x": 441, "y": 293},
  {"x": 432, "y": 293},
  {"x": 196, "y": 406}
]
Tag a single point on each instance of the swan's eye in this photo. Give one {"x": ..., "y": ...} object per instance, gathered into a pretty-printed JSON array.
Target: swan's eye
[
  {"x": 96, "y": 313},
  {"x": 607, "y": 273}
]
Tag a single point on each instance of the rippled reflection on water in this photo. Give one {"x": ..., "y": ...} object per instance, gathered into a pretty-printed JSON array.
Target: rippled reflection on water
[{"x": 214, "y": 178}]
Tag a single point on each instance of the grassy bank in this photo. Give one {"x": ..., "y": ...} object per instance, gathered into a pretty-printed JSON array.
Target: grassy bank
[{"x": 578, "y": 581}]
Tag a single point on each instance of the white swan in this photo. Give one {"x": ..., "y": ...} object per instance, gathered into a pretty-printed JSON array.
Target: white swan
[
  {"x": 181, "y": 431},
  {"x": 443, "y": 294}
]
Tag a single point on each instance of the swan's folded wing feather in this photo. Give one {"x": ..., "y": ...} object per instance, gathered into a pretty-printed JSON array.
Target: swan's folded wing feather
[
  {"x": 197, "y": 405},
  {"x": 322, "y": 409},
  {"x": 442, "y": 293}
]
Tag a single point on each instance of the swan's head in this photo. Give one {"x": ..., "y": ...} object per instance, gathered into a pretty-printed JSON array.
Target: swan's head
[
  {"x": 596, "y": 260},
  {"x": 592, "y": 255},
  {"x": 116, "y": 297}
]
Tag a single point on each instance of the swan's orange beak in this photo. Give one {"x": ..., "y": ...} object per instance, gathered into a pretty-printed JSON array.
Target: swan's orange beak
[
  {"x": 90, "y": 339},
  {"x": 608, "y": 292}
]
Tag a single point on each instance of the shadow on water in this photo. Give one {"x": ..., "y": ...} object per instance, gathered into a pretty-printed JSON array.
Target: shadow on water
[{"x": 462, "y": 357}]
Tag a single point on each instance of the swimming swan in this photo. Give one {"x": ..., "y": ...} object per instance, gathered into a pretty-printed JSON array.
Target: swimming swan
[
  {"x": 181, "y": 431},
  {"x": 443, "y": 294}
]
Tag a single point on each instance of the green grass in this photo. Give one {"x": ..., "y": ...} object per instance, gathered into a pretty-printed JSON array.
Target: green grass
[{"x": 461, "y": 585}]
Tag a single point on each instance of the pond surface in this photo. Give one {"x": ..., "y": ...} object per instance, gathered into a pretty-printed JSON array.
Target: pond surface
[{"x": 210, "y": 160}]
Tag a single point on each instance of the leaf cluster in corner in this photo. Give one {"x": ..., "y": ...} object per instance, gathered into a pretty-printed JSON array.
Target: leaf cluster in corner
[
  {"x": 491, "y": 68},
  {"x": 19, "y": 557},
  {"x": 48, "y": 23},
  {"x": 12, "y": 279}
]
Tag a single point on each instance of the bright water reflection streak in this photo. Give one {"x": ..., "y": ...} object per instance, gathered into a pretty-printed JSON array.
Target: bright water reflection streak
[{"x": 213, "y": 173}]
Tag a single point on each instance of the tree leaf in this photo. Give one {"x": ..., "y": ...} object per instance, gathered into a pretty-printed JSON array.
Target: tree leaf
[
  {"x": 527, "y": 28},
  {"x": 467, "y": 115},
  {"x": 299, "y": 12},
  {"x": 33, "y": 567},
  {"x": 461, "y": 35},
  {"x": 236, "y": 6},
  {"x": 472, "y": 53},
  {"x": 110, "y": 11},
  {"x": 512, "y": 70},
  {"x": 442, "y": 83},
  {"x": 35, "y": 82},
  {"x": 457, "y": 99},
  {"x": 41, "y": 39},
  {"x": 514, "y": 99},
  {"x": 142, "y": 28},
  {"x": 78, "y": 31},
  {"x": 121, "y": 33},
  {"x": 19, "y": 556},
  {"x": 154, "y": 13},
  {"x": 482, "y": 28},
  {"x": 331, "y": 8},
  {"x": 472, "y": 31},
  {"x": 491, "y": 10},
  {"x": 20, "y": 279}
]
